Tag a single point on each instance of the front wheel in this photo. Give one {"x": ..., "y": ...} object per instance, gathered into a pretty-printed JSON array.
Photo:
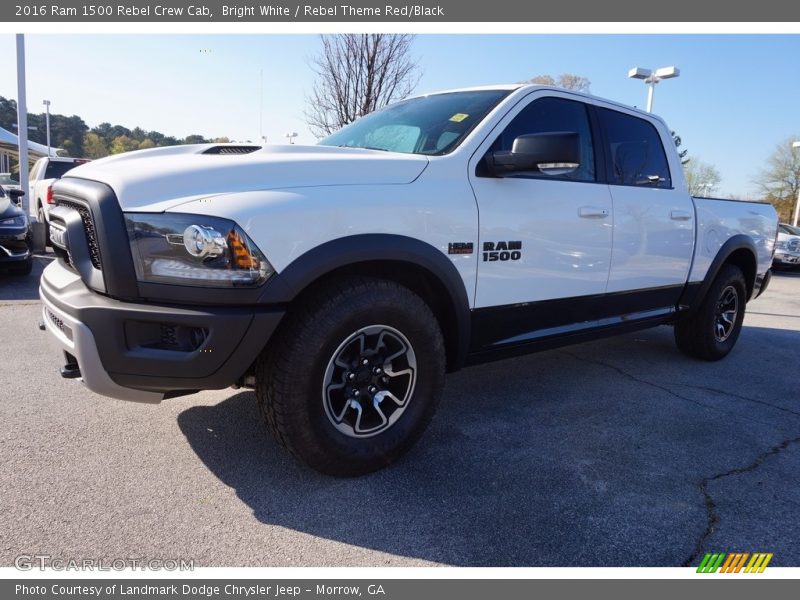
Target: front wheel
[
  {"x": 353, "y": 376},
  {"x": 711, "y": 333},
  {"x": 23, "y": 268}
]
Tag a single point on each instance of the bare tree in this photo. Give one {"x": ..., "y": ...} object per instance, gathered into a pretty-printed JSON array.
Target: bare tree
[
  {"x": 701, "y": 177},
  {"x": 781, "y": 177},
  {"x": 779, "y": 181},
  {"x": 681, "y": 153},
  {"x": 356, "y": 74},
  {"x": 568, "y": 81}
]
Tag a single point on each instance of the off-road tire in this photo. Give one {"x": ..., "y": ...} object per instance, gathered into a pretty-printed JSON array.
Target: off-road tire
[
  {"x": 41, "y": 218},
  {"x": 292, "y": 372},
  {"x": 22, "y": 269},
  {"x": 699, "y": 336}
]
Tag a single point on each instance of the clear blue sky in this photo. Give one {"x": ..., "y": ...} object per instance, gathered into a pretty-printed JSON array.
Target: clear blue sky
[{"x": 736, "y": 98}]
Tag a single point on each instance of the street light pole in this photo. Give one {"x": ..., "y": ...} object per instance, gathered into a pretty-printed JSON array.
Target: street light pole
[
  {"x": 22, "y": 123},
  {"x": 797, "y": 202},
  {"x": 651, "y": 78},
  {"x": 47, "y": 123}
]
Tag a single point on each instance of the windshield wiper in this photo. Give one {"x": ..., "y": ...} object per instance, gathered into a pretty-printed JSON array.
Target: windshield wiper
[{"x": 363, "y": 147}]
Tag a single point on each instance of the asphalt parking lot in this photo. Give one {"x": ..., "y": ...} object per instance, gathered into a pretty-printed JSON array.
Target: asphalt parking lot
[{"x": 620, "y": 452}]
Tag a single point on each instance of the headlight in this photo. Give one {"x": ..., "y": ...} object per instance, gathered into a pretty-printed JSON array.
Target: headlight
[
  {"x": 782, "y": 245},
  {"x": 13, "y": 222},
  {"x": 194, "y": 250}
]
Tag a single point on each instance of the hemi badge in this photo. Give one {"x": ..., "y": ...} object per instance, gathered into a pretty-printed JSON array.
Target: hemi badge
[{"x": 459, "y": 248}]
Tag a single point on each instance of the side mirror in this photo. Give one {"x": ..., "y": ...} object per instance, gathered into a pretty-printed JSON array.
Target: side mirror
[
  {"x": 553, "y": 153},
  {"x": 15, "y": 194}
]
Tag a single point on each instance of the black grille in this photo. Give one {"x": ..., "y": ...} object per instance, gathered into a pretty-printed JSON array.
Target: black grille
[
  {"x": 232, "y": 149},
  {"x": 88, "y": 229}
]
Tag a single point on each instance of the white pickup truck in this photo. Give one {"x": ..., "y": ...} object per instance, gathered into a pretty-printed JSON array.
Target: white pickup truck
[
  {"x": 342, "y": 280},
  {"x": 44, "y": 173}
]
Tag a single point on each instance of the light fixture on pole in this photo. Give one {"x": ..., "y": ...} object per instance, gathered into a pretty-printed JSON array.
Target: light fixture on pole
[
  {"x": 651, "y": 78},
  {"x": 47, "y": 123},
  {"x": 290, "y": 136},
  {"x": 797, "y": 202}
]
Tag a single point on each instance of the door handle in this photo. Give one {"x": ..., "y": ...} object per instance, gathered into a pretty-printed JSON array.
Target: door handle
[
  {"x": 680, "y": 215},
  {"x": 592, "y": 212}
]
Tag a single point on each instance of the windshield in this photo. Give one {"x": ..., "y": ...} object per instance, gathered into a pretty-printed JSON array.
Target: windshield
[
  {"x": 427, "y": 125},
  {"x": 789, "y": 229}
]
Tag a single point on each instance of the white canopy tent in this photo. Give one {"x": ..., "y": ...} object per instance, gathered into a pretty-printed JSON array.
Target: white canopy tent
[{"x": 9, "y": 147}]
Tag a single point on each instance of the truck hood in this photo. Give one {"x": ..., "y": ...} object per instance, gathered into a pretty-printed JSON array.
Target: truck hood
[{"x": 162, "y": 178}]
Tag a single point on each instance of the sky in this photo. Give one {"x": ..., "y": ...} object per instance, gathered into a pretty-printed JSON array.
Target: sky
[{"x": 737, "y": 96}]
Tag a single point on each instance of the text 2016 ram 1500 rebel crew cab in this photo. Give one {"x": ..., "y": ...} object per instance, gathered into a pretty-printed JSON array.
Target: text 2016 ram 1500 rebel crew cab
[{"x": 343, "y": 280}]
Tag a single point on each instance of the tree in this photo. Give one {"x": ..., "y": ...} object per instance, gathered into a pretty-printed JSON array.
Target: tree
[
  {"x": 568, "y": 81},
  {"x": 701, "y": 177},
  {"x": 122, "y": 143},
  {"x": 779, "y": 181},
  {"x": 194, "y": 139},
  {"x": 681, "y": 153},
  {"x": 94, "y": 146},
  {"x": 357, "y": 74}
]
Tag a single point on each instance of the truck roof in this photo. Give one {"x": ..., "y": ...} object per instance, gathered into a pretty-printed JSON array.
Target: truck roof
[{"x": 519, "y": 87}]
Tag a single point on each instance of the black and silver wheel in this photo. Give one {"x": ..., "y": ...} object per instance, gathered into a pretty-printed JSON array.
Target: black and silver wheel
[
  {"x": 353, "y": 376},
  {"x": 726, "y": 312},
  {"x": 711, "y": 332},
  {"x": 369, "y": 381}
]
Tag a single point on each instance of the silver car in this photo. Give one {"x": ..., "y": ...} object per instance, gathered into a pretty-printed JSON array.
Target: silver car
[{"x": 787, "y": 246}]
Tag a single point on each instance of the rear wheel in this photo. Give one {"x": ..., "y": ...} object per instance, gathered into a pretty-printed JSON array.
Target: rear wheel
[
  {"x": 711, "y": 333},
  {"x": 42, "y": 219},
  {"x": 353, "y": 377}
]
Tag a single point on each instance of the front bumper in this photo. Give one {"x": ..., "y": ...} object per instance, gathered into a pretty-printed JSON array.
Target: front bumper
[
  {"x": 146, "y": 352},
  {"x": 15, "y": 244},
  {"x": 786, "y": 258}
]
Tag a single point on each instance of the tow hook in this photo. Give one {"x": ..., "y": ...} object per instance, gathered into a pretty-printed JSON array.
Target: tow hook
[
  {"x": 71, "y": 370},
  {"x": 42, "y": 326}
]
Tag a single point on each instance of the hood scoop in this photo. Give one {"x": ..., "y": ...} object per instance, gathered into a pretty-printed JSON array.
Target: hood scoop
[{"x": 231, "y": 149}]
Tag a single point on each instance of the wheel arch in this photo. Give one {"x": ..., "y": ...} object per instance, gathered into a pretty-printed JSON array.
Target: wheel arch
[
  {"x": 407, "y": 261},
  {"x": 738, "y": 250}
]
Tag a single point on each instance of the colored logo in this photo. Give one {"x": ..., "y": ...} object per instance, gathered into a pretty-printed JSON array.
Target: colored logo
[{"x": 734, "y": 562}]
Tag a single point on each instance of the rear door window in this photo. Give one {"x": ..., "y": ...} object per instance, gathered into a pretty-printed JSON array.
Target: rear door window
[{"x": 636, "y": 155}]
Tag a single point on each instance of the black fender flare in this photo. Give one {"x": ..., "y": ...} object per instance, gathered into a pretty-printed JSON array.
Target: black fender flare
[
  {"x": 377, "y": 247},
  {"x": 693, "y": 295}
]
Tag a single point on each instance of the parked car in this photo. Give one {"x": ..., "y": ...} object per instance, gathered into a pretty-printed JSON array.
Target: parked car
[
  {"x": 342, "y": 280},
  {"x": 787, "y": 246},
  {"x": 9, "y": 181},
  {"x": 46, "y": 171},
  {"x": 16, "y": 249}
]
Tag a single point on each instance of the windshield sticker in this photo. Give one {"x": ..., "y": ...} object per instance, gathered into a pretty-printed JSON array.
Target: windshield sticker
[{"x": 458, "y": 117}]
